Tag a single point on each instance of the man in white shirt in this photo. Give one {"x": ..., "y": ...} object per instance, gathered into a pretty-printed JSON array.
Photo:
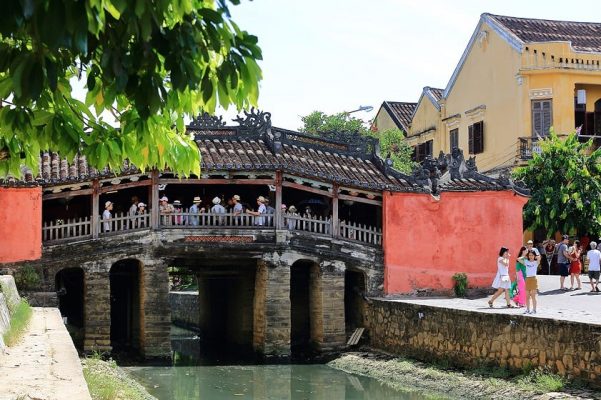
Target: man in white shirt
[
  {"x": 530, "y": 246},
  {"x": 260, "y": 219},
  {"x": 106, "y": 216},
  {"x": 594, "y": 258}
]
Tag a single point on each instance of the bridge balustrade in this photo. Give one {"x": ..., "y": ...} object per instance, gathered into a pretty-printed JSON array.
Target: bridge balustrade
[{"x": 81, "y": 228}]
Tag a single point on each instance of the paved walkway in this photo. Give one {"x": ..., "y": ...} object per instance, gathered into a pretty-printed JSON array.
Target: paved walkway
[
  {"x": 577, "y": 305},
  {"x": 45, "y": 365}
]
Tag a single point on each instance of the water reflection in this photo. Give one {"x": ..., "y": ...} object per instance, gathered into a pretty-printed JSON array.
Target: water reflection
[
  {"x": 200, "y": 373},
  {"x": 262, "y": 382}
]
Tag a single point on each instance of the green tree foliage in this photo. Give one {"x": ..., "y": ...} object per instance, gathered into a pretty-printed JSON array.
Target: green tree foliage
[
  {"x": 565, "y": 181},
  {"x": 392, "y": 141},
  {"x": 320, "y": 123},
  {"x": 149, "y": 64}
]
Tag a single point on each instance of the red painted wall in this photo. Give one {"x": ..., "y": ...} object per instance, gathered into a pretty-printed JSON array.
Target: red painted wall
[
  {"x": 20, "y": 224},
  {"x": 426, "y": 240}
]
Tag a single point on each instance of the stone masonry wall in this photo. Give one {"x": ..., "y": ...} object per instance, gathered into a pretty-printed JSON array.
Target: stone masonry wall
[
  {"x": 184, "y": 309},
  {"x": 470, "y": 338}
]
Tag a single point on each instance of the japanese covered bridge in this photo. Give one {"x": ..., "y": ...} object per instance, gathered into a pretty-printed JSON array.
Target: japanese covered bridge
[{"x": 299, "y": 278}]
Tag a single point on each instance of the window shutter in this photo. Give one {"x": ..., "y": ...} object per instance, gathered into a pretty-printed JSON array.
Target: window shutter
[
  {"x": 470, "y": 139},
  {"x": 454, "y": 138},
  {"x": 542, "y": 117},
  {"x": 479, "y": 138}
]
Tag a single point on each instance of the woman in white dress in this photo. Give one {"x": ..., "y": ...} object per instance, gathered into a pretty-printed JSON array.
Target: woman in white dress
[{"x": 502, "y": 282}]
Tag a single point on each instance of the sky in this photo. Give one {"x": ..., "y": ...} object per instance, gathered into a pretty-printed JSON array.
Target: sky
[{"x": 337, "y": 55}]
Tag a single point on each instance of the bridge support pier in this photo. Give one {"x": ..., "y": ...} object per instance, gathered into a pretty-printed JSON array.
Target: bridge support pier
[
  {"x": 97, "y": 308},
  {"x": 156, "y": 312},
  {"x": 271, "y": 336},
  {"x": 327, "y": 306}
]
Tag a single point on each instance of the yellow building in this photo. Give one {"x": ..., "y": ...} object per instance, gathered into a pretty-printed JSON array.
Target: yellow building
[{"x": 517, "y": 78}]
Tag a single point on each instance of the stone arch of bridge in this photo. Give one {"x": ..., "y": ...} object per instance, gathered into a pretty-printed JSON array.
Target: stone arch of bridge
[{"x": 305, "y": 307}]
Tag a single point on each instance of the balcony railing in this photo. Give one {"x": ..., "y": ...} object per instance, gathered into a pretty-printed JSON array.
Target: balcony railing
[
  {"x": 59, "y": 231},
  {"x": 527, "y": 147}
]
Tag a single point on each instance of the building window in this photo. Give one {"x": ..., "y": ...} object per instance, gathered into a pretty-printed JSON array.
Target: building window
[
  {"x": 542, "y": 117},
  {"x": 421, "y": 151},
  {"x": 454, "y": 138},
  {"x": 476, "y": 138}
]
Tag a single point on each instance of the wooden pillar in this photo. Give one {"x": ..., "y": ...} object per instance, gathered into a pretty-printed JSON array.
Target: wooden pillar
[
  {"x": 278, "y": 200},
  {"x": 95, "y": 207},
  {"x": 154, "y": 200},
  {"x": 335, "y": 219}
]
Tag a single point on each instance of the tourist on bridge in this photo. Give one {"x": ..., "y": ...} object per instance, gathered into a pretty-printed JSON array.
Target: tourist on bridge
[
  {"x": 140, "y": 222},
  {"x": 291, "y": 222},
  {"x": 218, "y": 209},
  {"x": 531, "y": 264},
  {"x": 178, "y": 218},
  {"x": 575, "y": 265},
  {"x": 107, "y": 216},
  {"x": 563, "y": 261},
  {"x": 165, "y": 208},
  {"x": 519, "y": 286},
  {"x": 261, "y": 210},
  {"x": 195, "y": 210},
  {"x": 502, "y": 282},
  {"x": 594, "y": 266},
  {"x": 237, "y": 209},
  {"x": 133, "y": 209}
]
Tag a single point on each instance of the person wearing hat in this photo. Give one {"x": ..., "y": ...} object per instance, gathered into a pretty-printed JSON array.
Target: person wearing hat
[
  {"x": 106, "y": 216},
  {"x": 563, "y": 261},
  {"x": 530, "y": 246},
  {"x": 261, "y": 210},
  {"x": 237, "y": 205},
  {"x": 140, "y": 222},
  {"x": 165, "y": 208},
  {"x": 291, "y": 222},
  {"x": 218, "y": 209},
  {"x": 194, "y": 210},
  {"x": 178, "y": 218}
]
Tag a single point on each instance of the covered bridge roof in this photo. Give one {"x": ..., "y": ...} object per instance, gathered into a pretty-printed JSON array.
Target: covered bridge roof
[{"x": 347, "y": 159}]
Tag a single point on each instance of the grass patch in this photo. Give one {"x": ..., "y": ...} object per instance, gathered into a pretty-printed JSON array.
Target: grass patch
[
  {"x": 18, "y": 323},
  {"x": 106, "y": 381},
  {"x": 541, "y": 381}
]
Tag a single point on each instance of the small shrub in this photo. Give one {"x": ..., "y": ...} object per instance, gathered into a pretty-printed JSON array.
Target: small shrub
[
  {"x": 27, "y": 278},
  {"x": 542, "y": 381},
  {"x": 460, "y": 285},
  {"x": 18, "y": 323}
]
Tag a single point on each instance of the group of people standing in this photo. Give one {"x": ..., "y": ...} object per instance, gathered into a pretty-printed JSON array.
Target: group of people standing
[
  {"x": 526, "y": 283},
  {"x": 523, "y": 290}
]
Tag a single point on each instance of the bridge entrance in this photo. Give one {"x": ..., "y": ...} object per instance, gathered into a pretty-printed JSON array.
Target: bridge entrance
[
  {"x": 125, "y": 305},
  {"x": 69, "y": 285}
]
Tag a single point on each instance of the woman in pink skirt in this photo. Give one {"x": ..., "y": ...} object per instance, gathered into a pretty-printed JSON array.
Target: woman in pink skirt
[{"x": 520, "y": 270}]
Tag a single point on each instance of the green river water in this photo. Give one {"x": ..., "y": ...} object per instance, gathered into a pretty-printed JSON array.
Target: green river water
[{"x": 290, "y": 382}]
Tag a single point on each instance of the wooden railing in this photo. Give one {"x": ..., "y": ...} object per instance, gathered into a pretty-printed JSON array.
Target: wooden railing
[
  {"x": 360, "y": 233},
  {"x": 211, "y": 220},
  {"x": 123, "y": 222},
  {"x": 58, "y": 231},
  {"x": 72, "y": 228},
  {"x": 308, "y": 223}
]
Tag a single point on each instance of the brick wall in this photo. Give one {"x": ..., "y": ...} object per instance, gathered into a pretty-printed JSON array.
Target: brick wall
[{"x": 184, "y": 309}]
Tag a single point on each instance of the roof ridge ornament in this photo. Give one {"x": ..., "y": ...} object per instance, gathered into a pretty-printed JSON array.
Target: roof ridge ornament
[
  {"x": 255, "y": 120},
  {"x": 207, "y": 121}
]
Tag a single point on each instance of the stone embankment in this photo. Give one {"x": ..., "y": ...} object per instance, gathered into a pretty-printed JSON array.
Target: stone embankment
[{"x": 471, "y": 339}]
